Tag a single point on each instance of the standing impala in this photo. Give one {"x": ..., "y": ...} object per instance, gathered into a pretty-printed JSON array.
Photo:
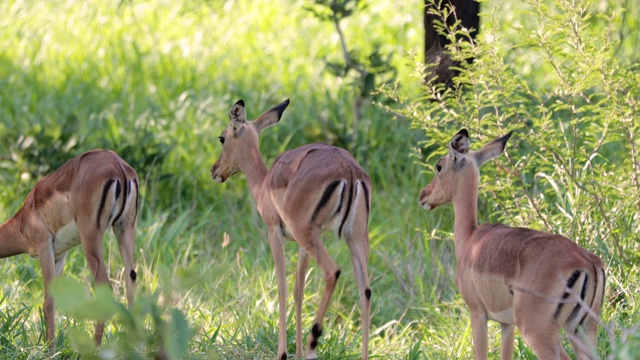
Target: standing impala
[
  {"x": 76, "y": 205},
  {"x": 520, "y": 277},
  {"x": 308, "y": 191}
]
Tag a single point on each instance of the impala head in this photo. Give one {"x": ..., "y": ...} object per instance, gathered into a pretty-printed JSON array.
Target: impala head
[
  {"x": 459, "y": 169},
  {"x": 241, "y": 137}
]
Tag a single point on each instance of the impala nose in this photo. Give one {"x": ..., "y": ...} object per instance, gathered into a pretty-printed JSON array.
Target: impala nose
[
  {"x": 423, "y": 200},
  {"x": 215, "y": 176}
]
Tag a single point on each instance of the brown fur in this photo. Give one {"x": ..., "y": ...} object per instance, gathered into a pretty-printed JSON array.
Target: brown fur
[
  {"x": 292, "y": 202},
  {"x": 72, "y": 194},
  {"x": 520, "y": 277}
]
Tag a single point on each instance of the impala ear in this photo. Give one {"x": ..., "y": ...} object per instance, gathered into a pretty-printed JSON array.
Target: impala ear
[
  {"x": 270, "y": 117},
  {"x": 238, "y": 114},
  {"x": 459, "y": 145},
  {"x": 492, "y": 150}
]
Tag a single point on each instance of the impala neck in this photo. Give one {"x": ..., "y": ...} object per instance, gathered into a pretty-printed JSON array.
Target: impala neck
[
  {"x": 255, "y": 170},
  {"x": 12, "y": 241},
  {"x": 465, "y": 206}
]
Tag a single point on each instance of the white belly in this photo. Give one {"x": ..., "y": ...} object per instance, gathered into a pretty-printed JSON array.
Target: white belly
[
  {"x": 505, "y": 317},
  {"x": 66, "y": 238}
]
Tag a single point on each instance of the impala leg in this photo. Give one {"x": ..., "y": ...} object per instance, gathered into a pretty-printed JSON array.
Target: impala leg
[
  {"x": 479, "y": 331},
  {"x": 546, "y": 345},
  {"x": 585, "y": 347},
  {"x": 507, "y": 342},
  {"x": 59, "y": 263},
  {"x": 358, "y": 243},
  {"x": 538, "y": 333},
  {"x": 585, "y": 344},
  {"x": 93, "y": 252},
  {"x": 125, "y": 236},
  {"x": 276, "y": 242},
  {"x": 47, "y": 262},
  {"x": 331, "y": 273},
  {"x": 298, "y": 295}
]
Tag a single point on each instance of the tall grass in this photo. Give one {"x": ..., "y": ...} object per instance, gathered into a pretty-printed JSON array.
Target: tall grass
[{"x": 154, "y": 80}]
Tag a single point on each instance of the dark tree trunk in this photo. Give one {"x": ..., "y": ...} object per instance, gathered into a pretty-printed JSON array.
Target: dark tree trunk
[{"x": 467, "y": 11}]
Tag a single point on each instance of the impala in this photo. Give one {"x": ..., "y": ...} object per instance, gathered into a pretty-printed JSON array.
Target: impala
[
  {"x": 76, "y": 205},
  {"x": 307, "y": 191},
  {"x": 519, "y": 277}
]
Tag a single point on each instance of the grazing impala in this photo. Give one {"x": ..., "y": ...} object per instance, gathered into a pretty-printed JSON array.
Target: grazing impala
[
  {"x": 520, "y": 277},
  {"x": 76, "y": 205},
  {"x": 308, "y": 191}
]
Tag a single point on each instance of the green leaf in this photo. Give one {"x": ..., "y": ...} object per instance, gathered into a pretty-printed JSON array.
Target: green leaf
[
  {"x": 68, "y": 294},
  {"x": 72, "y": 298},
  {"x": 178, "y": 333},
  {"x": 102, "y": 307},
  {"x": 83, "y": 343}
]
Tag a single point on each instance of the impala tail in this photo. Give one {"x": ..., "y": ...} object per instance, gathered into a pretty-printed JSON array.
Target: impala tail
[{"x": 344, "y": 202}]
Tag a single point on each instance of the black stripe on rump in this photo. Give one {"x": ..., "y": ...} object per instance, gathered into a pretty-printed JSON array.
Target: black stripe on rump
[
  {"x": 105, "y": 191},
  {"x": 570, "y": 283},
  {"x": 604, "y": 283},
  {"x": 366, "y": 196},
  {"x": 346, "y": 213},
  {"x": 328, "y": 191},
  {"x": 595, "y": 289},
  {"x": 135, "y": 182},
  {"x": 576, "y": 310},
  {"x": 341, "y": 200},
  {"x": 124, "y": 200}
]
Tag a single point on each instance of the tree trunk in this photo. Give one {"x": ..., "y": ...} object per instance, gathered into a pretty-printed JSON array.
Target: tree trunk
[{"x": 467, "y": 11}]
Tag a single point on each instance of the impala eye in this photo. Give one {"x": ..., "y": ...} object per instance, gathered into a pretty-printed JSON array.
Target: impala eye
[
  {"x": 438, "y": 167},
  {"x": 221, "y": 139}
]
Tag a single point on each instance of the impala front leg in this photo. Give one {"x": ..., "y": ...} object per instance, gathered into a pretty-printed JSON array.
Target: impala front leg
[
  {"x": 47, "y": 262},
  {"x": 301, "y": 272},
  {"x": 276, "y": 242},
  {"x": 506, "y": 348},
  {"x": 479, "y": 331}
]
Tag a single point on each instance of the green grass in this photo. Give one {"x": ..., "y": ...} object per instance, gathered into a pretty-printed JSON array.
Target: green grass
[{"x": 154, "y": 80}]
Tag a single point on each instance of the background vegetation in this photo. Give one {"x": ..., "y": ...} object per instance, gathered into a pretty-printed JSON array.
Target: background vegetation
[{"x": 154, "y": 80}]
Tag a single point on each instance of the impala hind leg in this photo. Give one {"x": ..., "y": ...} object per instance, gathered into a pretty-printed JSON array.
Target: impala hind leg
[
  {"x": 584, "y": 340},
  {"x": 540, "y": 333},
  {"x": 92, "y": 245},
  {"x": 298, "y": 295},
  {"x": 358, "y": 243},
  {"x": 331, "y": 272},
  {"x": 583, "y": 332},
  {"x": 125, "y": 236},
  {"x": 546, "y": 346}
]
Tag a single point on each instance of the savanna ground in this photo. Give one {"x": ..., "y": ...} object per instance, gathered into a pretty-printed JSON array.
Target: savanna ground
[{"x": 154, "y": 80}]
